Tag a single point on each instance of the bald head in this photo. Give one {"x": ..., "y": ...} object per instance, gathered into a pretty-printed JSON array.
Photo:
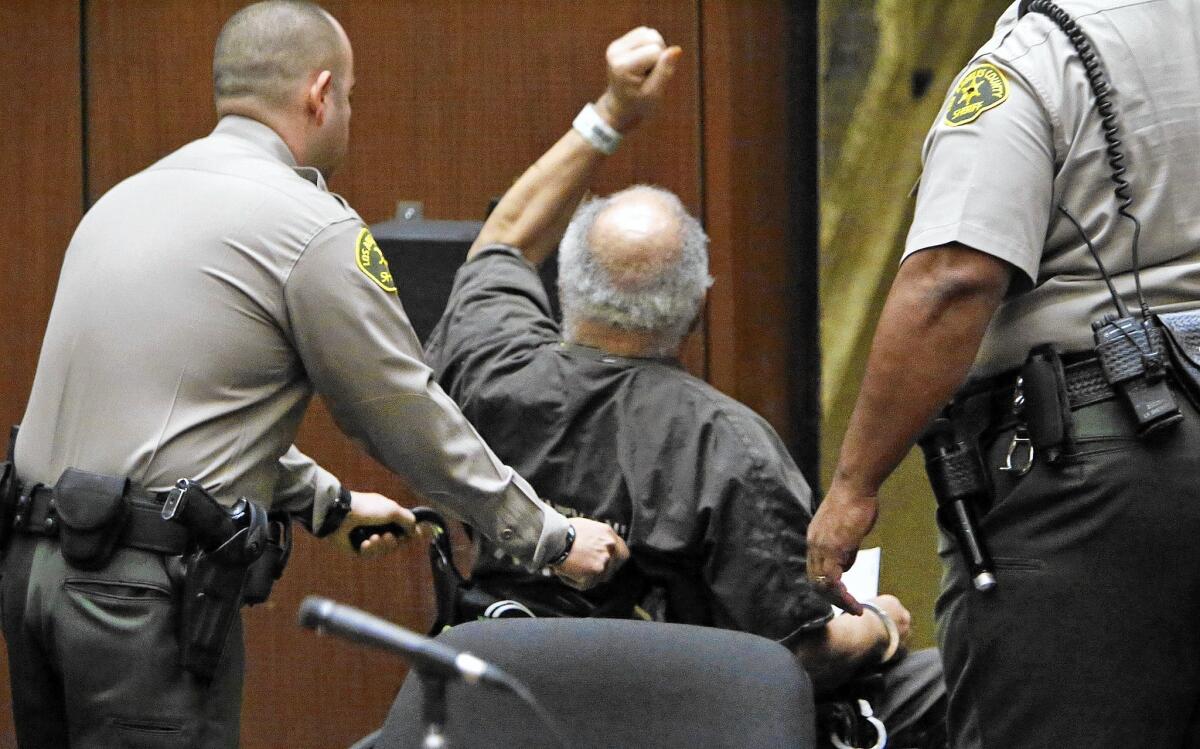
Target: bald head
[
  {"x": 637, "y": 237},
  {"x": 267, "y": 51},
  {"x": 635, "y": 261}
]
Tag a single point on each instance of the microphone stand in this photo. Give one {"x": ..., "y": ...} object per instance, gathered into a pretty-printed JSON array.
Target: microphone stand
[{"x": 432, "y": 662}]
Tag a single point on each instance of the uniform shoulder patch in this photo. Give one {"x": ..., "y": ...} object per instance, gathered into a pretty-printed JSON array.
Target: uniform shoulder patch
[
  {"x": 983, "y": 87},
  {"x": 370, "y": 260}
]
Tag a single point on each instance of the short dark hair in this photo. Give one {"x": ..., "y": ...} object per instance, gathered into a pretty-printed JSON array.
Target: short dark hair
[{"x": 266, "y": 48}]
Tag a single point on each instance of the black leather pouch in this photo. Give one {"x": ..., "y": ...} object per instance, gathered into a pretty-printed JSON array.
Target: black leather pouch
[
  {"x": 1047, "y": 408},
  {"x": 268, "y": 568},
  {"x": 1182, "y": 332},
  {"x": 92, "y": 511}
]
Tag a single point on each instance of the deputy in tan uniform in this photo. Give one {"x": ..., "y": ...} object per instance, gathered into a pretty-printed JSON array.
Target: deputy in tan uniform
[
  {"x": 201, "y": 304},
  {"x": 1090, "y": 637}
]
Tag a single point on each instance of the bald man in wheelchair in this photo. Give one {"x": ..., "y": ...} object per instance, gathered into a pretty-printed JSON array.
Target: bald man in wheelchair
[{"x": 599, "y": 414}]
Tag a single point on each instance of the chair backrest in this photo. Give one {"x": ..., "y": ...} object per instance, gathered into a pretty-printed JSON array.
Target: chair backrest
[{"x": 616, "y": 683}]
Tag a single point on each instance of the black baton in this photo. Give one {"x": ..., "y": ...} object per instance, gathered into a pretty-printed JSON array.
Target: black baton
[{"x": 959, "y": 483}]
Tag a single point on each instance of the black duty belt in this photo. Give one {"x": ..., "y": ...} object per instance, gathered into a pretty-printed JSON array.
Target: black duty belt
[
  {"x": 1086, "y": 383},
  {"x": 144, "y": 528},
  {"x": 989, "y": 402}
]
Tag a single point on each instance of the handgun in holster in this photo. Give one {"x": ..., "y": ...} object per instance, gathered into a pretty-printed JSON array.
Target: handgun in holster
[{"x": 225, "y": 544}]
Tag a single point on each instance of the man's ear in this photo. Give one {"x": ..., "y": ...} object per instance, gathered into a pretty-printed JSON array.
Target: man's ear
[{"x": 317, "y": 94}]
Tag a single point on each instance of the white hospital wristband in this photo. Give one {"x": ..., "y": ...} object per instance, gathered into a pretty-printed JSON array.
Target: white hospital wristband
[{"x": 596, "y": 131}]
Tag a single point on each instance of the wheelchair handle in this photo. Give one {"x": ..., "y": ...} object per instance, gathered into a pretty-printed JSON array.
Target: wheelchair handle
[{"x": 423, "y": 515}]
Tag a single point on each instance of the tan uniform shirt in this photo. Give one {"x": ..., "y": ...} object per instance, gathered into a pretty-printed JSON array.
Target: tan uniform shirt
[
  {"x": 1020, "y": 135},
  {"x": 203, "y": 300}
]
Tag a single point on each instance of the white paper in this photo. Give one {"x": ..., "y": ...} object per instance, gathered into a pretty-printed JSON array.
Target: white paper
[{"x": 862, "y": 579}]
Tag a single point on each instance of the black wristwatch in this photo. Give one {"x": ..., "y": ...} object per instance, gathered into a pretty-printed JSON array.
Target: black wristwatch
[
  {"x": 566, "y": 552},
  {"x": 336, "y": 514}
]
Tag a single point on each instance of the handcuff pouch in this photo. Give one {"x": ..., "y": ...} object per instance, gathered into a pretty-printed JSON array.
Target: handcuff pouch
[
  {"x": 92, "y": 511},
  {"x": 1182, "y": 333}
]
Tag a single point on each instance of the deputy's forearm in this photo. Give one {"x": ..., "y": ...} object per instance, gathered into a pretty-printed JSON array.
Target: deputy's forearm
[
  {"x": 930, "y": 330},
  {"x": 535, "y": 211}
]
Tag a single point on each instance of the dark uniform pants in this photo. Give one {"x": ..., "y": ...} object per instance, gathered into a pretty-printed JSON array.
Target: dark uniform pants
[
  {"x": 1092, "y": 637},
  {"x": 94, "y": 657}
]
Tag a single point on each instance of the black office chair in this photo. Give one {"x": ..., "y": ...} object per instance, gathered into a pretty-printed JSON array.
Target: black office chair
[{"x": 617, "y": 683}]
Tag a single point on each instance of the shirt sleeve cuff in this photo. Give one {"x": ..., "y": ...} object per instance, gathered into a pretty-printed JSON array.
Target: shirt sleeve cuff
[
  {"x": 553, "y": 538},
  {"x": 326, "y": 493},
  {"x": 977, "y": 239}
]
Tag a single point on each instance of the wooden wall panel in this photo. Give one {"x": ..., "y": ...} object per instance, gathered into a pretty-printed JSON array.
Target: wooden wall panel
[
  {"x": 149, "y": 81},
  {"x": 747, "y": 208},
  {"x": 42, "y": 168},
  {"x": 454, "y": 100},
  {"x": 40, "y": 160}
]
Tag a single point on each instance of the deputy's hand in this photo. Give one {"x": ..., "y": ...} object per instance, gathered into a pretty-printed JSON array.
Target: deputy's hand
[
  {"x": 367, "y": 508},
  {"x": 597, "y": 554},
  {"x": 639, "y": 66},
  {"x": 837, "y": 530}
]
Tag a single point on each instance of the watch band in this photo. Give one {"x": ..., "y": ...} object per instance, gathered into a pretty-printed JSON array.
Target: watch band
[
  {"x": 566, "y": 552},
  {"x": 336, "y": 513}
]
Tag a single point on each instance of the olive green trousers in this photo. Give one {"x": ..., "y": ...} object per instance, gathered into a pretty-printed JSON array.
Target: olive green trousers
[{"x": 94, "y": 656}]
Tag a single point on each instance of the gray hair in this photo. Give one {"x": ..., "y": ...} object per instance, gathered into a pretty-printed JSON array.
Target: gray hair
[
  {"x": 666, "y": 304},
  {"x": 265, "y": 49}
]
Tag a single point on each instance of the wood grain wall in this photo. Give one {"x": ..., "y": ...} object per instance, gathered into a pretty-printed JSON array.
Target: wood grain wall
[
  {"x": 454, "y": 99},
  {"x": 42, "y": 168}
]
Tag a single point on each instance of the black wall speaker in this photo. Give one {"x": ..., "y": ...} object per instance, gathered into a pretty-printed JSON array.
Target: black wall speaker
[{"x": 424, "y": 255}]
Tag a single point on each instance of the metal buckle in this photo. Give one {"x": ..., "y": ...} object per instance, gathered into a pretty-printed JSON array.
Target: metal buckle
[
  {"x": 1020, "y": 439},
  {"x": 1020, "y": 442}
]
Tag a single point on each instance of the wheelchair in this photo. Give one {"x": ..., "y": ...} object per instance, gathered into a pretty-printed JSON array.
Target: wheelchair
[{"x": 618, "y": 682}]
